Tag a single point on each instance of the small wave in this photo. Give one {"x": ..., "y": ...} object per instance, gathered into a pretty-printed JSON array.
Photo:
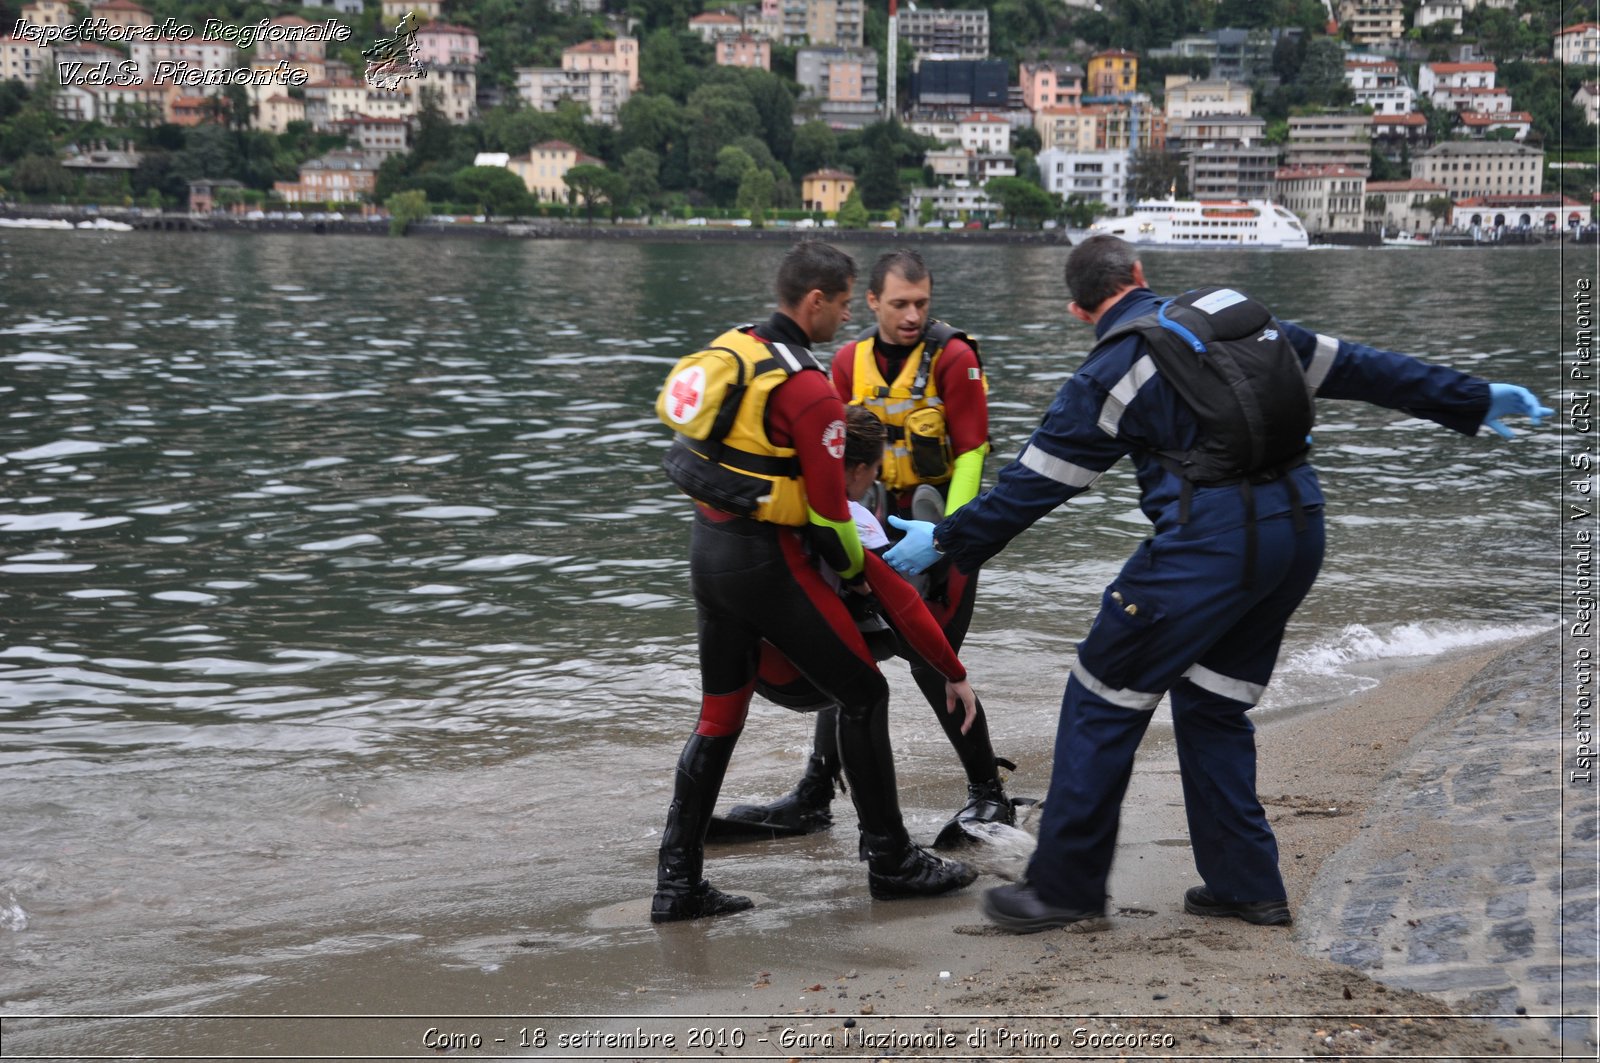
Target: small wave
[
  {"x": 12, "y": 915},
  {"x": 1358, "y": 643}
]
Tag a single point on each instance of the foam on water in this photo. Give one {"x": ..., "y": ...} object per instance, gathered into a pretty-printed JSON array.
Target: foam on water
[{"x": 1358, "y": 643}]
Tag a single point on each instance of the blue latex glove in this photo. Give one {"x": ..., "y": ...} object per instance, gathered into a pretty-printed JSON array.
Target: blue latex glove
[
  {"x": 915, "y": 552},
  {"x": 1509, "y": 398}
]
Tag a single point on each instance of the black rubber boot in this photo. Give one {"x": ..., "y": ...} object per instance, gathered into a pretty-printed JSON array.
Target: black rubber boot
[
  {"x": 804, "y": 810},
  {"x": 895, "y": 867},
  {"x": 680, "y": 891},
  {"x": 986, "y": 803}
]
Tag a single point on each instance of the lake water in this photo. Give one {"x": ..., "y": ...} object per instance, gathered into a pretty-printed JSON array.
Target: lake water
[{"x": 344, "y": 611}]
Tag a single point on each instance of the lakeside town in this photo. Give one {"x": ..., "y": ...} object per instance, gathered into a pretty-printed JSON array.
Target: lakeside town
[{"x": 1364, "y": 118}]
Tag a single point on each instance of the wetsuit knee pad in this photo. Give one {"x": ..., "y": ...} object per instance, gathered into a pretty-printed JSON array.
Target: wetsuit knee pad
[
  {"x": 866, "y": 707},
  {"x": 723, "y": 714}
]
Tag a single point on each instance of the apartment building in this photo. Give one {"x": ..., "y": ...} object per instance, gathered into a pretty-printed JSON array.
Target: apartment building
[{"x": 1481, "y": 168}]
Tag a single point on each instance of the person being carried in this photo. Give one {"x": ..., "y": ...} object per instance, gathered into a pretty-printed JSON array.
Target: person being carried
[
  {"x": 1212, "y": 396},
  {"x": 907, "y": 628},
  {"x": 759, "y": 446},
  {"x": 923, "y": 379}
]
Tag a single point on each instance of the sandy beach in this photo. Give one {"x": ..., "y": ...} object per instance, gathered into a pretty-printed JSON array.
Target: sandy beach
[{"x": 934, "y": 979}]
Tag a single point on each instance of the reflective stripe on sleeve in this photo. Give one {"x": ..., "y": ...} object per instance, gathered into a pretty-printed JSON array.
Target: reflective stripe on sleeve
[
  {"x": 1055, "y": 468},
  {"x": 1137, "y": 700},
  {"x": 1225, "y": 686},
  {"x": 1322, "y": 361},
  {"x": 1136, "y": 377}
]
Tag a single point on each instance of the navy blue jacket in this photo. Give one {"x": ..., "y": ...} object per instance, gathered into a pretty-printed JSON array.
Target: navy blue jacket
[{"x": 1118, "y": 404}]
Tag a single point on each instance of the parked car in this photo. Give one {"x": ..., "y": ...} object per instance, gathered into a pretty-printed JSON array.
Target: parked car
[
  {"x": 887, "y": 225},
  {"x": 999, "y": 225},
  {"x": 695, "y": 221},
  {"x": 806, "y": 223}
]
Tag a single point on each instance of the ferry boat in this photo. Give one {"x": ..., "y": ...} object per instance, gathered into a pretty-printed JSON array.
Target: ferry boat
[{"x": 1204, "y": 223}]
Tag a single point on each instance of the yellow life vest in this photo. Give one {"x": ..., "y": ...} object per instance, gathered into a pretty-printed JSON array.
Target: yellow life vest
[
  {"x": 716, "y": 401},
  {"x": 911, "y": 410}
]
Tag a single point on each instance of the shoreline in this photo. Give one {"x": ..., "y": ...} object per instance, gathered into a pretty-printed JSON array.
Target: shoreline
[
  {"x": 1154, "y": 979},
  {"x": 142, "y": 220},
  {"x": 840, "y": 976}
]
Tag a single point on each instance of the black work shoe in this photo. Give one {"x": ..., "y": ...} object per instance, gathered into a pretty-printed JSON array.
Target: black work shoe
[
  {"x": 700, "y": 901},
  {"x": 986, "y": 803},
  {"x": 915, "y": 872},
  {"x": 799, "y": 812},
  {"x": 1197, "y": 900},
  {"x": 1017, "y": 907}
]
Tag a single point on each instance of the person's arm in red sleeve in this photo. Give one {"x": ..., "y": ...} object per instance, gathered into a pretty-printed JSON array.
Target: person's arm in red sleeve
[
  {"x": 843, "y": 371},
  {"x": 959, "y": 378},
  {"x": 805, "y": 414},
  {"x": 910, "y": 618}
]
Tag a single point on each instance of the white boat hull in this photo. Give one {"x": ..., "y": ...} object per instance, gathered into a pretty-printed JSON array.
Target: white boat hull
[{"x": 1232, "y": 224}]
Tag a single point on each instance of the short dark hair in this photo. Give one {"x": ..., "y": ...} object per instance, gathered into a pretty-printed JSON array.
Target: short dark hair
[
  {"x": 864, "y": 436},
  {"x": 903, "y": 261},
  {"x": 1098, "y": 268},
  {"x": 813, "y": 265}
]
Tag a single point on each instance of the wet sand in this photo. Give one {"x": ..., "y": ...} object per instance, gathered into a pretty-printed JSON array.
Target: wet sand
[{"x": 934, "y": 979}]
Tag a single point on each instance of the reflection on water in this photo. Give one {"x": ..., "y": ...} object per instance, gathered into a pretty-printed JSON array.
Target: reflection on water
[{"x": 331, "y": 564}]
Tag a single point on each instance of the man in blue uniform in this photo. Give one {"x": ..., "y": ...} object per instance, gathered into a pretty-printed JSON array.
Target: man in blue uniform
[{"x": 1198, "y": 612}]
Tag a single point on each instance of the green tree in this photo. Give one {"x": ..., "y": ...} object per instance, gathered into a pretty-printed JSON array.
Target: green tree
[
  {"x": 1156, "y": 174},
  {"x": 755, "y": 196},
  {"x": 1438, "y": 206},
  {"x": 1321, "y": 75},
  {"x": 650, "y": 121},
  {"x": 41, "y": 175},
  {"x": 879, "y": 157},
  {"x": 1080, "y": 213},
  {"x": 586, "y": 182},
  {"x": 31, "y": 131},
  {"x": 816, "y": 146},
  {"x": 1027, "y": 138},
  {"x": 1020, "y": 200},
  {"x": 717, "y": 115},
  {"x": 853, "y": 213},
  {"x": 926, "y": 210},
  {"x": 664, "y": 68},
  {"x": 496, "y": 189},
  {"x": 641, "y": 168},
  {"x": 432, "y": 143},
  {"x": 1503, "y": 36},
  {"x": 614, "y": 189},
  {"x": 732, "y": 165},
  {"x": 1028, "y": 166},
  {"x": 405, "y": 208}
]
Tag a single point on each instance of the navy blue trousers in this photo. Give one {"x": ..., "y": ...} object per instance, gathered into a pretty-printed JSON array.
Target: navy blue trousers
[{"x": 1180, "y": 619}]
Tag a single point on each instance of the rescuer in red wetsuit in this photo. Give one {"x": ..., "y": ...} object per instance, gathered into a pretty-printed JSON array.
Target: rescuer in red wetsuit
[
  {"x": 768, "y": 483},
  {"x": 924, "y": 380}
]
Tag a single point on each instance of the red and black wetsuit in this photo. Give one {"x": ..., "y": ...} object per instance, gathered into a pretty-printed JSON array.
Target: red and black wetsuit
[
  {"x": 753, "y": 581},
  {"x": 952, "y": 594}
]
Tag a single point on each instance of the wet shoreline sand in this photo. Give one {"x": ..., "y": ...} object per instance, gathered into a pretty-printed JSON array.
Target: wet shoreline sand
[{"x": 1155, "y": 981}]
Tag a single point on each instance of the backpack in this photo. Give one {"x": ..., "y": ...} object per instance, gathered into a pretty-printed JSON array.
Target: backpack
[{"x": 1227, "y": 358}]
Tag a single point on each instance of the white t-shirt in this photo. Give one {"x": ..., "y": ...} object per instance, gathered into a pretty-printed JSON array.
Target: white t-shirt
[{"x": 867, "y": 527}]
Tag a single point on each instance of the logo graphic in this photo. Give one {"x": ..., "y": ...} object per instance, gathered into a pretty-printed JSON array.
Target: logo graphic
[
  {"x": 1269, "y": 334},
  {"x": 392, "y": 60},
  {"x": 833, "y": 439},
  {"x": 687, "y": 389}
]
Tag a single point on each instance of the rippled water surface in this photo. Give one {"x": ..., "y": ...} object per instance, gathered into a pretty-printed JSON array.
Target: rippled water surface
[{"x": 344, "y": 601}]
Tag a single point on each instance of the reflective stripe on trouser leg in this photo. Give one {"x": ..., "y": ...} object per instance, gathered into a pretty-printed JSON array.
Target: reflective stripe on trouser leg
[
  {"x": 1234, "y": 847},
  {"x": 1095, "y": 743}
]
